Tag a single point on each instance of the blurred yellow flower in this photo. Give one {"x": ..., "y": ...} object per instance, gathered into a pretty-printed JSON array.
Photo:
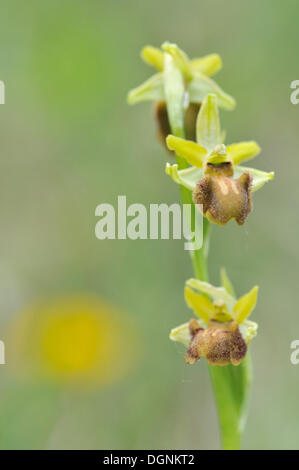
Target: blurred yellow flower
[{"x": 76, "y": 339}]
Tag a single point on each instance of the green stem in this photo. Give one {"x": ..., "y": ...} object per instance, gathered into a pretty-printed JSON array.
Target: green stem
[{"x": 230, "y": 383}]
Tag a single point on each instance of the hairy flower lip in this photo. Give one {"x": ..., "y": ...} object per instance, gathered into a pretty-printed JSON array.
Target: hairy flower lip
[
  {"x": 221, "y": 343},
  {"x": 222, "y": 197},
  {"x": 222, "y": 332}
]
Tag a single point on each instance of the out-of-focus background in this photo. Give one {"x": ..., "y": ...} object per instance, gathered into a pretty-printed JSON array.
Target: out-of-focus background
[{"x": 69, "y": 142}]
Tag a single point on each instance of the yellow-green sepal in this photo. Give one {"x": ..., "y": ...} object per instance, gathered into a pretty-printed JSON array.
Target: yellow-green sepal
[
  {"x": 201, "y": 85},
  {"x": 151, "y": 90},
  {"x": 181, "y": 334}
]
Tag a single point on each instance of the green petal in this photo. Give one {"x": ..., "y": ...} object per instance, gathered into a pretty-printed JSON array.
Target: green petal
[
  {"x": 192, "y": 152},
  {"x": 174, "y": 94},
  {"x": 153, "y": 56},
  {"x": 180, "y": 58},
  {"x": 207, "y": 65},
  {"x": 245, "y": 305},
  {"x": 216, "y": 293},
  {"x": 200, "y": 304},
  {"x": 151, "y": 90},
  {"x": 200, "y": 86},
  {"x": 243, "y": 151},
  {"x": 207, "y": 124},
  {"x": 226, "y": 283},
  {"x": 188, "y": 177},
  {"x": 181, "y": 334},
  {"x": 259, "y": 178}
]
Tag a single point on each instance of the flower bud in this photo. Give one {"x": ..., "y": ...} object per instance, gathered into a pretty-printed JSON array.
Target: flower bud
[
  {"x": 162, "y": 121},
  {"x": 191, "y": 114},
  {"x": 163, "y": 125}
]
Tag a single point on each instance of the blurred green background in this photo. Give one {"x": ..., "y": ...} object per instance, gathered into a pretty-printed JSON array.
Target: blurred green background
[{"x": 69, "y": 142}]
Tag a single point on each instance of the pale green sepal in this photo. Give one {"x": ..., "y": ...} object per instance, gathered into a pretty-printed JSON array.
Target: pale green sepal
[
  {"x": 180, "y": 58},
  {"x": 174, "y": 89},
  {"x": 218, "y": 294},
  {"x": 153, "y": 56},
  {"x": 248, "y": 330},
  {"x": 200, "y": 86},
  {"x": 207, "y": 124},
  {"x": 207, "y": 65},
  {"x": 151, "y": 90},
  {"x": 181, "y": 334},
  {"x": 188, "y": 177},
  {"x": 226, "y": 283},
  {"x": 259, "y": 178}
]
